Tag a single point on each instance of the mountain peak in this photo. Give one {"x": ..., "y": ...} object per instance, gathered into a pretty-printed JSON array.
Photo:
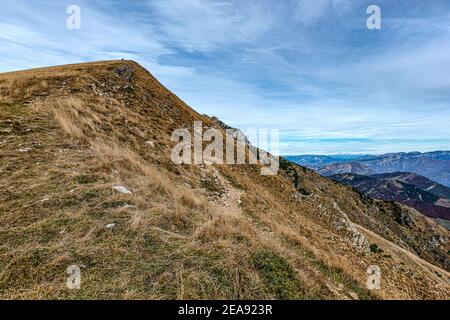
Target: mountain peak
[{"x": 90, "y": 182}]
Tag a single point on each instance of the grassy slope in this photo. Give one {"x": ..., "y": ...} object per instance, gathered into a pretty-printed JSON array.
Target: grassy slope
[{"x": 86, "y": 129}]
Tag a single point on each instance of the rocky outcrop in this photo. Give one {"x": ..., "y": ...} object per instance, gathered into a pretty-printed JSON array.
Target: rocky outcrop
[
  {"x": 125, "y": 72},
  {"x": 358, "y": 240}
]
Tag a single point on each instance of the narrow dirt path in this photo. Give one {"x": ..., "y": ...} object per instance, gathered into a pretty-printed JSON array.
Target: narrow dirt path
[
  {"x": 230, "y": 201},
  {"x": 229, "y": 204}
]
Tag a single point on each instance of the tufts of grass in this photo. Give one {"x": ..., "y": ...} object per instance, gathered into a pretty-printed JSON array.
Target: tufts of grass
[
  {"x": 86, "y": 179},
  {"x": 278, "y": 275},
  {"x": 190, "y": 200},
  {"x": 337, "y": 275},
  {"x": 375, "y": 249},
  {"x": 12, "y": 109}
]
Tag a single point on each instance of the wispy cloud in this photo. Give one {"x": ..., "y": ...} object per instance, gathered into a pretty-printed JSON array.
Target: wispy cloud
[
  {"x": 208, "y": 25},
  {"x": 309, "y": 68},
  {"x": 310, "y": 12}
]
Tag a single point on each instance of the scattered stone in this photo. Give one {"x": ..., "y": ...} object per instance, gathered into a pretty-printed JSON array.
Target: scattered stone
[
  {"x": 128, "y": 88},
  {"x": 353, "y": 295},
  {"x": 435, "y": 242},
  {"x": 122, "y": 189},
  {"x": 150, "y": 143}
]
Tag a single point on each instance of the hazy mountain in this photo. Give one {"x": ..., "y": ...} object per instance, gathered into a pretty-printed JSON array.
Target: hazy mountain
[
  {"x": 87, "y": 179},
  {"x": 433, "y": 165},
  {"x": 314, "y": 161},
  {"x": 346, "y": 167}
]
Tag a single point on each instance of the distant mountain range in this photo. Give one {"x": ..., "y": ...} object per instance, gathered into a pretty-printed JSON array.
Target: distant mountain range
[
  {"x": 432, "y": 165},
  {"x": 310, "y": 160},
  {"x": 426, "y": 196}
]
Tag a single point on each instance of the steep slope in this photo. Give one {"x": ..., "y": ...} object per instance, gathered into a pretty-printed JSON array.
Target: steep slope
[
  {"x": 413, "y": 190},
  {"x": 433, "y": 165},
  {"x": 87, "y": 180}
]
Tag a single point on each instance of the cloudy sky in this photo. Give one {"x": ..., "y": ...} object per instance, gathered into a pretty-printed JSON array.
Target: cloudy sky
[{"x": 310, "y": 68}]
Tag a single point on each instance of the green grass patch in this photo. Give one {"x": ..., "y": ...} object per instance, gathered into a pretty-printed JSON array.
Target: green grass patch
[
  {"x": 375, "y": 249},
  {"x": 86, "y": 179},
  {"x": 278, "y": 275},
  {"x": 12, "y": 109},
  {"x": 337, "y": 275}
]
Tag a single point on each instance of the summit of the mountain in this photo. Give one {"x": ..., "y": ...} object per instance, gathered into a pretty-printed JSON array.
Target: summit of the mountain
[{"x": 87, "y": 180}]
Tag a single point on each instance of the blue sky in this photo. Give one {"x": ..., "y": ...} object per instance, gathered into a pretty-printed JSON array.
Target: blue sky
[{"x": 310, "y": 68}]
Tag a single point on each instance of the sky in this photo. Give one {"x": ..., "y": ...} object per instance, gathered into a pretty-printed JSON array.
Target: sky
[{"x": 309, "y": 68}]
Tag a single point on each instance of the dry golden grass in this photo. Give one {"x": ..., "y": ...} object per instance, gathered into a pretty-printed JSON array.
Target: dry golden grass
[{"x": 86, "y": 129}]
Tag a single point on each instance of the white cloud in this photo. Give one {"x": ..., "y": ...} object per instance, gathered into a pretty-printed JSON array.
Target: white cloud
[
  {"x": 253, "y": 65},
  {"x": 309, "y": 12},
  {"x": 406, "y": 77},
  {"x": 41, "y": 38},
  {"x": 206, "y": 25}
]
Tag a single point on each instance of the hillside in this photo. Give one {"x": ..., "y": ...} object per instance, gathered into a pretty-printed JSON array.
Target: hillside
[
  {"x": 87, "y": 180},
  {"x": 424, "y": 195},
  {"x": 433, "y": 165},
  {"x": 418, "y": 181}
]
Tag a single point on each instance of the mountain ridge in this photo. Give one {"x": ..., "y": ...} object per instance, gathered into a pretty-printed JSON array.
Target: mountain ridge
[
  {"x": 89, "y": 181},
  {"x": 434, "y": 165}
]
